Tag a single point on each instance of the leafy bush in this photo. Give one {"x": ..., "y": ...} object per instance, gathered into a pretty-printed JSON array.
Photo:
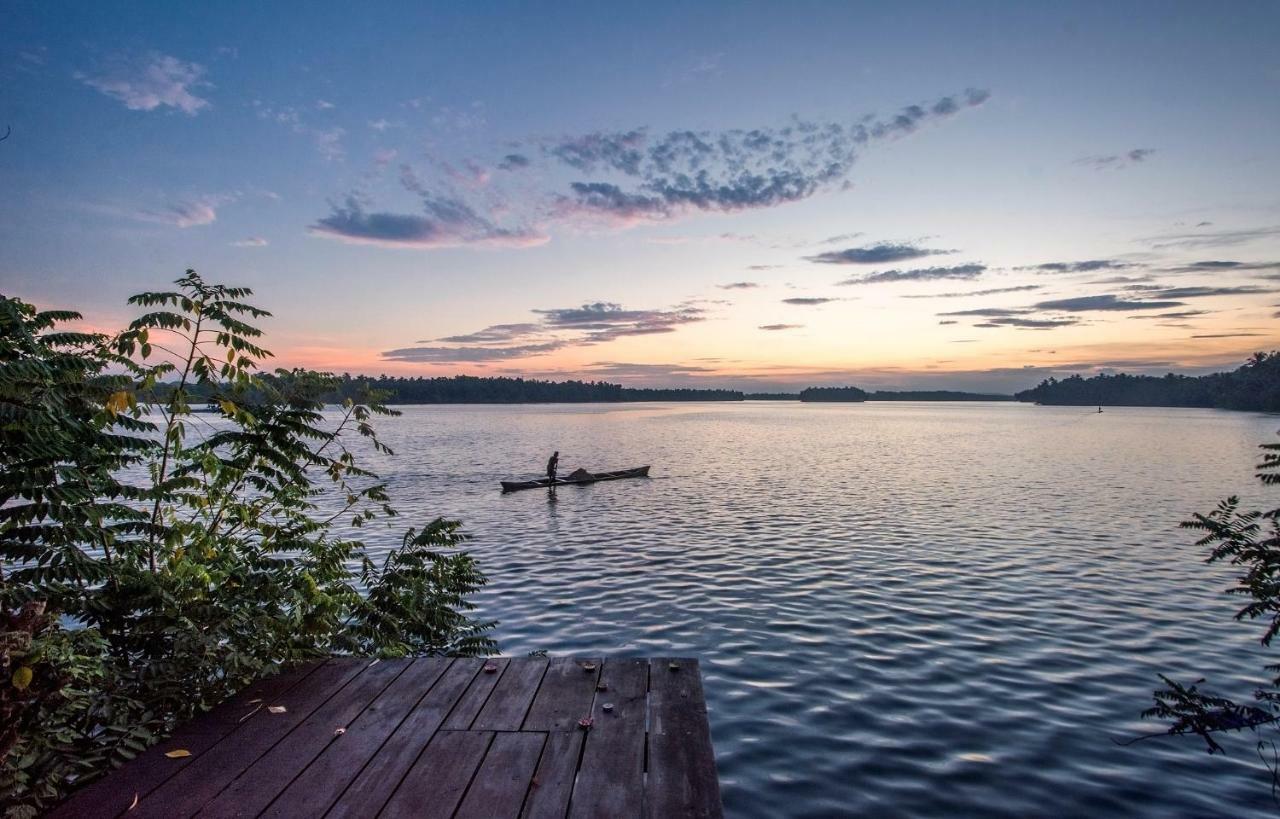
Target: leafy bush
[
  {"x": 1251, "y": 541},
  {"x": 158, "y": 557}
]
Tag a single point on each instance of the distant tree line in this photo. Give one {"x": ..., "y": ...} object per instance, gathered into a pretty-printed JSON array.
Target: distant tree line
[
  {"x": 833, "y": 394},
  {"x": 469, "y": 389},
  {"x": 1253, "y": 386},
  {"x": 935, "y": 395},
  {"x": 855, "y": 394}
]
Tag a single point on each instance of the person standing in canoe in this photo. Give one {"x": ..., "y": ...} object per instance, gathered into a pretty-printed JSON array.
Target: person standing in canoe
[{"x": 552, "y": 465}]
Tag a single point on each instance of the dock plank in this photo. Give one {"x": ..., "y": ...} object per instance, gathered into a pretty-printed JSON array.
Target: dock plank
[
  {"x": 552, "y": 782},
  {"x": 188, "y": 790},
  {"x": 499, "y": 788},
  {"x": 611, "y": 780},
  {"x": 374, "y": 785},
  {"x": 114, "y": 794},
  {"x": 682, "y": 780},
  {"x": 464, "y": 713},
  {"x": 511, "y": 697},
  {"x": 435, "y": 784},
  {"x": 258, "y": 785},
  {"x": 435, "y": 737},
  {"x": 324, "y": 780},
  {"x": 565, "y": 696}
]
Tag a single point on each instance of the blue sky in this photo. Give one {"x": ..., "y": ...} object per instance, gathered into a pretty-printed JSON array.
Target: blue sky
[{"x": 573, "y": 190}]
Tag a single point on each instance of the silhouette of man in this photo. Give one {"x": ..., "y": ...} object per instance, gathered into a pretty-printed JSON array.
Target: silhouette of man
[{"x": 552, "y": 464}]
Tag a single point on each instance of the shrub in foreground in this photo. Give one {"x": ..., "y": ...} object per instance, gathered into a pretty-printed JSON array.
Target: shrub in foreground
[{"x": 158, "y": 556}]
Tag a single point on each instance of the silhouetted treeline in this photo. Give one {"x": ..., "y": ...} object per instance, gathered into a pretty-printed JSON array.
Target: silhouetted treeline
[
  {"x": 855, "y": 394},
  {"x": 468, "y": 389},
  {"x": 833, "y": 394},
  {"x": 935, "y": 395},
  {"x": 772, "y": 396},
  {"x": 1254, "y": 386}
]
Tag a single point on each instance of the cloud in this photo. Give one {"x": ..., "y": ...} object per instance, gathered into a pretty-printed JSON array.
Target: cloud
[
  {"x": 843, "y": 237},
  {"x": 738, "y": 286},
  {"x": 987, "y": 311},
  {"x": 329, "y": 143},
  {"x": 1107, "y": 302},
  {"x": 781, "y": 326},
  {"x": 1088, "y": 266},
  {"x": 989, "y": 292},
  {"x": 1204, "y": 292},
  {"x": 763, "y": 266},
  {"x": 1220, "y": 238},
  {"x": 1028, "y": 323},
  {"x": 152, "y": 82},
  {"x": 1228, "y": 335},
  {"x": 923, "y": 274},
  {"x": 496, "y": 333},
  {"x": 444, "y": 223},
  {"x": 556, "y": 329},
  {"x": 609, "y": 202},
  {"x": 723, "y": 171},
  {"x": 1180, "y": 314},
  {"x": 462, "y": 355},
  {"x": 882, "y": 253},
  {"x": 1222, "y": 266},
  {"x": 384, "y": 156},
  {"x": 514, "y": 162},
  {"x": 185, "y": 213},
  {"x": 606, "y": 321},
  {"x": 1116, "y": 161},
  {"x": 380, "y": 125},
  {"x": 808, "y": 301},
  {"x": 252, "y": 241}
]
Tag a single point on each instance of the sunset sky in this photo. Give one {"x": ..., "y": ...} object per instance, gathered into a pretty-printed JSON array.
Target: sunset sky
[{"x": 968, "y": 196}]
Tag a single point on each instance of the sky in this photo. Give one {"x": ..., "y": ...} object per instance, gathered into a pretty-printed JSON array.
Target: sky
[{"x": 760, "y": 196}]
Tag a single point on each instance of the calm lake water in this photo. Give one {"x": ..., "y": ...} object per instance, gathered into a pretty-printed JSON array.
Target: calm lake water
[{"x": 900, "y": 609}]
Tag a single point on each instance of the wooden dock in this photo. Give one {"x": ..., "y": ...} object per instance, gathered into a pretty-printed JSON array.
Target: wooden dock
[{"x": 435, "y": 737}]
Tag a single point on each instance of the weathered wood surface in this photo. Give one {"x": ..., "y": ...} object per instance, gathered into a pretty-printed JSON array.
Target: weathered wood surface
[{"x": 436, "y": 737}]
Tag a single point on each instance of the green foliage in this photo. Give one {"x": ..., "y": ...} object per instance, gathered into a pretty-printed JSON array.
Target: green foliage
[
  {"x": 157, "y": 558},
  {"x": 1250, "y": 541}
]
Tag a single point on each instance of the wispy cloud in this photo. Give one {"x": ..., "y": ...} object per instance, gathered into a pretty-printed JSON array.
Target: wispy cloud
[
  {"x": 1179, "y": 314},
  {"x": 443, "y": 223},
  {"x": 1109, "y": 302},
  {"x": 497, "y": 333},
  {"x": 921, "y": 274},
  {"x": 556, "y": 329},
  {"x": 1222, "y": 266},
  {"x": 252, "y": 241},
  {"x": 1021, "y": 288},
  {"x": 1217, "y": 238},
  {"x": 1104, "y": 162},
  {"x": 1204, "y": 292},
  {"x": 723, "y": 171},
  {"x": 775, "y": 327},
  {"x": 1089, "y": 266},
  {"x": 185, "y": 213},
  {"x": 1027, "y": 323},
  {"x": 883, "y": 253},
  {"x": 738, "y": 286},
  {"x": 808, "y": 301},
  {"x": 514, "y": 162},
  {"x": 151, "y": 82},
  {"x": 467, "y": 355}
]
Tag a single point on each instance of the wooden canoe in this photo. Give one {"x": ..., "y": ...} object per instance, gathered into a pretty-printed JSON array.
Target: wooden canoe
[{"x": 594, "y": 477}]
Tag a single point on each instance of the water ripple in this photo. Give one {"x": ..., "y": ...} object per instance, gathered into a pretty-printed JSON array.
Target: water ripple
[{"x": 902, "y": 610}]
